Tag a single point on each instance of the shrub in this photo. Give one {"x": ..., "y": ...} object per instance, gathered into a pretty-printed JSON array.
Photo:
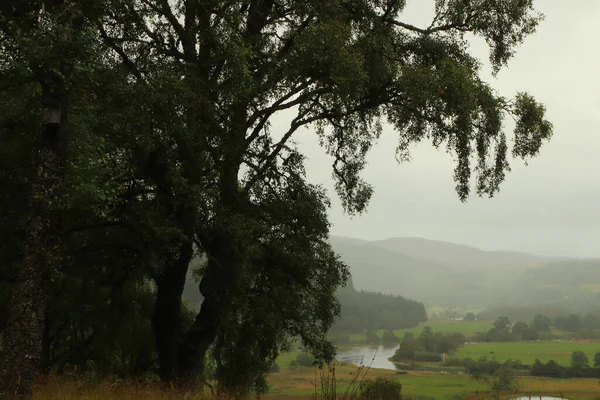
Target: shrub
[
  {"x": 427, "y": 356},
  {"x": 372, "y": 336},
  {"x": 504, "y": 379},
  {"x": 380, "y": 389},
  {"x": 305, "y": 360},
  {"x": 389, "y": 338},
  {"x": 274, "y": 368},
  {"x": 339, "y": 339}
]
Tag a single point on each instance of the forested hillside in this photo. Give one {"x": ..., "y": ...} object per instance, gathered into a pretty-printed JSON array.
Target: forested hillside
[
  {"x": 440, "y": 273},
  {"x": 363, "y": 310},
  {"x": 360, "y": 310}
]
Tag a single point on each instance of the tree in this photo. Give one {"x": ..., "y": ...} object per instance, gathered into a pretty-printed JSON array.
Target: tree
[
  {"x": 541, "y": 323},
  {"x": 408, "y": 347},
  {"x": 344, "y": 87},
  {"x": 518, "y": 329},
  {"x": 529, "y": 334},
  {"x": 389, "y": 338},
  {"x": 597, "y": 360},
  {"x": 470, "y": 317},
  {"x": 209, "y": 168},
  {"x": 590, "y": 322},
  {"x": 372, "y": 336},
  {"x": 573, "y": 323},
  {"x": 579, "y": 360},
  {"x": 502, "y": 323},
  {"x": 39, "y": 52},
  {"x": 504, "y": 378}
]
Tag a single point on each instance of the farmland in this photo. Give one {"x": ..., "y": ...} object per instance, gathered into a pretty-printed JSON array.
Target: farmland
[
  {"x": 300, "y": 382},
  {"x": 527, "y": 352}
]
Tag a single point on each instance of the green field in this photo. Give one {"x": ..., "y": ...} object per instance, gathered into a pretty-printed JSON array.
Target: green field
[
  {"x": 299, "y": 383},
  {"x": 527, "y": 352}
]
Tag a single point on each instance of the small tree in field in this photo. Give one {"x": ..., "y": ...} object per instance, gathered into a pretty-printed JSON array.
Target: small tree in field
[{"x": 504, "y": 379}]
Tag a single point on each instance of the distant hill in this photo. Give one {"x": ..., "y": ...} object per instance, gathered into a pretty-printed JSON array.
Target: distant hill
[
  {"x": 449, "y": 254},
  {"x": 451, "y": 275}
]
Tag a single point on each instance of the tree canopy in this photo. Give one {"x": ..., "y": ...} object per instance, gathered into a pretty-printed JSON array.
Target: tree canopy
[{"x": 173, "y": 150}]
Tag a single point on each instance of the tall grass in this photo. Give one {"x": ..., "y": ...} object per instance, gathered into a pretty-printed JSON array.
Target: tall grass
[
  {"x": 329, "y": 385},
  {"x": 79, "y": 388}
]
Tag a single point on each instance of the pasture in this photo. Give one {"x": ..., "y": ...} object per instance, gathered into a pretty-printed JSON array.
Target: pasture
[
  {"x": 300, "y": 383},
  {"x": 527, "y": 352}
]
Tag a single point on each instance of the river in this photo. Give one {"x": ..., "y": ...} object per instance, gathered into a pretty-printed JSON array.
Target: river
[{"x": 371, "y": 356}]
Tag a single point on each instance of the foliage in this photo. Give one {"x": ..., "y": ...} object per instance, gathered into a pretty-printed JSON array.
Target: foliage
[
  {"x": 579, "y": 360},
  {"x": 372, "y": 336},
  {"x": 427, "y": 356},
  {"x": 171, "y": 153},
  {"x": 305, "y": 360},
  {"x": 389, "y": 338},
  {"x": 571, "y": 323},
  {"x": 502, "y": 323},
  {"x": 469, "y": 317},
  {"x": 274, "y": 368},
  {"x": 428, "y": 346},
  {"x": 504, "y": 378},
  {"x": 365, "y": 310},
  {"x": 541, "y": 323},
  {"x": 380, "y": 389}
]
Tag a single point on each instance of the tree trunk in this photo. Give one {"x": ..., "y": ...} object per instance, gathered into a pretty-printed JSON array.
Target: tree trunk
[
  {"x": 202, "y": 333},
  {"x": 166, "y": 321},
  {"x": 27, "y": 308}
]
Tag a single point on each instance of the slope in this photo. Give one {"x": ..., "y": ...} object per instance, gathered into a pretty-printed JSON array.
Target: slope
[{"x": 450, "y": 275}]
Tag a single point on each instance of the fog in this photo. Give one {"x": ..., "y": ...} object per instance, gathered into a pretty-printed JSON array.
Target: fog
[{"x": 548, "y": 207}]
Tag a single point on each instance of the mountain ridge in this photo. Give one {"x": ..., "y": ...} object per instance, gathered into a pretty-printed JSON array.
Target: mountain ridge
[
  {"x": 452, "y": 253},
  {"x": 449, "y": 275}
]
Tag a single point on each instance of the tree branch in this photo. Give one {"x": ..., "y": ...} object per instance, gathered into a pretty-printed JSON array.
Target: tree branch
[{"x": 110, "y": 41}]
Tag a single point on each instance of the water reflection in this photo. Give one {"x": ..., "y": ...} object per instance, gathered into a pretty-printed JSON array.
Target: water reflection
[{"x": 373, "y": 356}]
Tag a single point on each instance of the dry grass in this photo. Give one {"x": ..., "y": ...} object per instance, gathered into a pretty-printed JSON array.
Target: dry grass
[
  {"x": 53, "y": 388},
  {"x": 304, "y": 384}
]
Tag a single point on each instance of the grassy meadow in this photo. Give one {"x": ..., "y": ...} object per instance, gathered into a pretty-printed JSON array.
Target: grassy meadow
[
  {"x": 303, "y": 383},
  {"x": 527, "y": 352},
  {"x": 299, "y": 384}
]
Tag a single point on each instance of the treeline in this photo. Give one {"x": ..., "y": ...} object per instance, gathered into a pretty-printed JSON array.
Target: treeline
[
  {"x": 541, "y": 328},
  {"x": 579, "y": 368},
  {"x": 427, "y": 346},
  {"x": 375, "y": 311},
  {"x": 484, "y": 367}
]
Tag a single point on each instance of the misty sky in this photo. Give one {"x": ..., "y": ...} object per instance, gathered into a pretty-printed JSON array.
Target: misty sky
[{"x": 551, "y": 206}]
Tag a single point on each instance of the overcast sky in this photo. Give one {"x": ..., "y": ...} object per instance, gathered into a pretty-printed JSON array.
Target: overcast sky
[{"x": 551, "y": 206}]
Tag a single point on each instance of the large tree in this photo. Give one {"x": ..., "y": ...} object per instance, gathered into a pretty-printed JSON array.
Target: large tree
[
  {"x": 341, "y": 67},
  {"x": 194, "y": 122}
]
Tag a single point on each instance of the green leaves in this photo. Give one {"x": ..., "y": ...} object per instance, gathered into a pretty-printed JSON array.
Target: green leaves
[{"x": 531, "y": 129}]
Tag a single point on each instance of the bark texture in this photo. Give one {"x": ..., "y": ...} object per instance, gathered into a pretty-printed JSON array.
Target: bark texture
[{"x": 26, "y": 312}]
